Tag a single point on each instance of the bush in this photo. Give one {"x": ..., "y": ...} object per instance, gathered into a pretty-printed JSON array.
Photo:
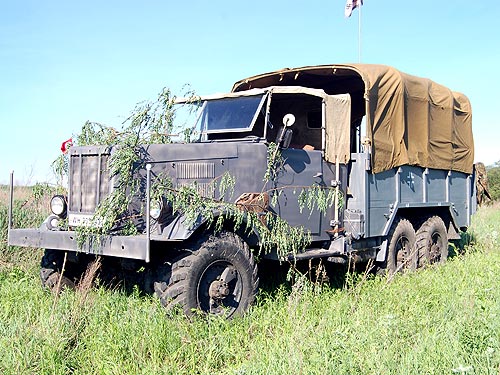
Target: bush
[{"x": 494, "y": 181}]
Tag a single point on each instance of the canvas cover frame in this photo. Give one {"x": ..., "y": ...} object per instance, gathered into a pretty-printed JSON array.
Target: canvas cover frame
[{"x": 337, "y": 115}]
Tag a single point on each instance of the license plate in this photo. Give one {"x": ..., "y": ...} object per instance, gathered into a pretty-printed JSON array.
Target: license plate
[{"x": 81, "y": 220}]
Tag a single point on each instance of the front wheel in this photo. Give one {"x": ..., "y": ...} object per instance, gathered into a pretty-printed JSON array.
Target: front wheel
[
  {"x": 52, "y": 271},
  {"x": 218, "y": 276}
]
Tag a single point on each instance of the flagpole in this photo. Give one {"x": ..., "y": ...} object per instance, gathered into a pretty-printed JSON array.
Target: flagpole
[{"x": 359, "y": 32}]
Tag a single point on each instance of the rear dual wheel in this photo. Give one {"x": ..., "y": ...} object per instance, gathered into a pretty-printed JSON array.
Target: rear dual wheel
[
  {"x": 408, "y": 250},
  {"x": 401, "y": 254},
  {"x": 432, "y": 242}
]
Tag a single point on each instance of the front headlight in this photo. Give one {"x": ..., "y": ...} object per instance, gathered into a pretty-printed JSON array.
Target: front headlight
[{"x": 58, "y": 205}]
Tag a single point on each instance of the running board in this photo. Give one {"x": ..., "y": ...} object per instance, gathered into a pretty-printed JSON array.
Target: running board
[{"x": 336, "y": 249}]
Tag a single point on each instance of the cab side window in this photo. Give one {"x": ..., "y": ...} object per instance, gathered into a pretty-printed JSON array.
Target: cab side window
[{"x": 308, "y": 119}]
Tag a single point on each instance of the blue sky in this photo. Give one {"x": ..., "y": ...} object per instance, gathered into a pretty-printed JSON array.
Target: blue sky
[{"x": 65, "y": 62}]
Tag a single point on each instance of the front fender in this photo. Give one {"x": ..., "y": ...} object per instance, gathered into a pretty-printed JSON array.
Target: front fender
[{"x": 180, "y": 229}]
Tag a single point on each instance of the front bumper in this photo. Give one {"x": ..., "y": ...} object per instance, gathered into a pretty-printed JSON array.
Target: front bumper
[{"x": 132, "y": 247}]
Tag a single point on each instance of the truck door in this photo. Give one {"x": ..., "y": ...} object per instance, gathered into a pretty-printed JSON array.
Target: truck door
[
  {"x": 302, "y": 162},
  {"x": 300, "y": 169}
]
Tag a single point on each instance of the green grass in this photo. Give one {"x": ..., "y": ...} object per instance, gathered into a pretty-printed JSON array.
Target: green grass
[
  {"x": 28, "y": 212},
  {"x": 441, "y": 320}
]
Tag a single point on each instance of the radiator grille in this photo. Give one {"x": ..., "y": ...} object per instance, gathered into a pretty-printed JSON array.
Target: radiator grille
[
  {"x": 200, "y": 175},
  {"x": 89, "y": 181},
  {"x": 195, "y": 170}
]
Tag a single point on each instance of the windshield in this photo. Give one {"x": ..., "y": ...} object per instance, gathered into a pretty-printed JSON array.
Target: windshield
[{"x": 229, "y": 114}]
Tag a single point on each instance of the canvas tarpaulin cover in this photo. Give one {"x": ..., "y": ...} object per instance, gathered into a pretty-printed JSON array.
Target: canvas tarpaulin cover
[{"x": 409, "y": 120}]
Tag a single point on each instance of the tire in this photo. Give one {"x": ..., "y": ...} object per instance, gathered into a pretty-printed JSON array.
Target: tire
[
  {"x": 52, "y": 274},
  {"x": 217, "y": 276},
  {"x": 401, "y": 253},
  {"x": 432, "y": 242}
]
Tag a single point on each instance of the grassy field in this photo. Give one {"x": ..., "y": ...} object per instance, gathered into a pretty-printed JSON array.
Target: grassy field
[{"x": 440, "y": 320}]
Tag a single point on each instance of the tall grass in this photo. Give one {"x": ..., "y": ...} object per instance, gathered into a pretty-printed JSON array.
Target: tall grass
[
  {"x": 440, "y": 320},
  {"x": 29, "y": 211}
]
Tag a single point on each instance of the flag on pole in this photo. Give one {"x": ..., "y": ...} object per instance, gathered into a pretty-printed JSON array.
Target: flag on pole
[
  {"x": 66, "y": 145},
  {"x": 350, "y": 5}
]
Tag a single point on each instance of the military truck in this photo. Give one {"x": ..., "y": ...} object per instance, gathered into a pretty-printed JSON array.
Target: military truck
[{"x": 397, "y": 149}]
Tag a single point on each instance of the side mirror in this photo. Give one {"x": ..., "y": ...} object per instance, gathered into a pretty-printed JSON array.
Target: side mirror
[
  {"x": 285, "y": 135},
  {"x": 288, "y": 120},
  {"x": 287, "y": 138}
]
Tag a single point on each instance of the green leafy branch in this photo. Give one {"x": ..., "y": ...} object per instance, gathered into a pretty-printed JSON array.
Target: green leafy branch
[
  {"x": 272, "y": 230},
  {"x": 152, "y": 122}
]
